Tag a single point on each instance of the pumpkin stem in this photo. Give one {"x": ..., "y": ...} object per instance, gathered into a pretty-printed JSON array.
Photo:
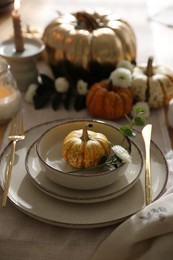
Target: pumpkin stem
[
  {"x": 85, "y": 136},
  {"x": 88, "y": 19},
  {"x": 149, "y": 70},
  {"x": 149, "y": 73},
  {"x": 110, "y": 86}
]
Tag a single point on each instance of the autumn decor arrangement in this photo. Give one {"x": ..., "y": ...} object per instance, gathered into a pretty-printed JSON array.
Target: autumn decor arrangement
[
  {"x": 152, "y": 84},
  {"x": 92, "y": 57},
  {"x": 60, "y": 91},
  {"x": 88, "y": 45}
]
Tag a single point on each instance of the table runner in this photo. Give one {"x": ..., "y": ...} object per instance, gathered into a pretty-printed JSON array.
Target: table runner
[{"x": 22, "y": 237}]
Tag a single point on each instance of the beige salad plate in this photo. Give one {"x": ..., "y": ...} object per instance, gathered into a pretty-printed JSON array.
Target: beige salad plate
[
  {"x": 37, "y": 204},
  {"x": 114, "y": 190}
]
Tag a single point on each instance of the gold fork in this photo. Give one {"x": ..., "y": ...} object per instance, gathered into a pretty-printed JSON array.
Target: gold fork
[
  {"x": 146, "y": 134},
  {"x": 16, "y": 133}
]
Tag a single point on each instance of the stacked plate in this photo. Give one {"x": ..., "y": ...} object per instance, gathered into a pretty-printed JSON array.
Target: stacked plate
[{"x": 38, "y": 196}]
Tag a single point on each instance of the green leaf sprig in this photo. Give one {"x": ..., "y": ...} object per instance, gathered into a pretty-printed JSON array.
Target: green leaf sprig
[{"x": 137, "y": 120}]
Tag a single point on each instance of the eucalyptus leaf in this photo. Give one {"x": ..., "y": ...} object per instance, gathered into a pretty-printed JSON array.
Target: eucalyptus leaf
[
  {"x": 41, "y": 100},
  {"x": 47, "y": 82},
  {"x": 56, "y": 101},
  {"x": 79, "y": 103},
  {"x": 126, "y": 130},
  {"x": 138, "y": 110},
  {"x": 139, "y": 121}
]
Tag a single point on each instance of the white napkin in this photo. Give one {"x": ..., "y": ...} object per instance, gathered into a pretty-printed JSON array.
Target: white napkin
[{"x": 144, "y": 236}]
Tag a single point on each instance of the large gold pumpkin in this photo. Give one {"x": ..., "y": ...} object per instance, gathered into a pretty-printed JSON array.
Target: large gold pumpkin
[
  {"x": 85, "y": 149},
  {"x": 86, "y": 44}
]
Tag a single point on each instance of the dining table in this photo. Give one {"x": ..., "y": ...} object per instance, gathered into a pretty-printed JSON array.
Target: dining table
[{"x": 35, "y": 225}]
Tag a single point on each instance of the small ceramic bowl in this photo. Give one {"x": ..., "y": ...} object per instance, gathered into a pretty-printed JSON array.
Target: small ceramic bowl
[{"x": 49, "y": 150}]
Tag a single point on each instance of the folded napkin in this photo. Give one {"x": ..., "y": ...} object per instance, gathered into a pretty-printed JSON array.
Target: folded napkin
[{"x": 146, "y": 235}]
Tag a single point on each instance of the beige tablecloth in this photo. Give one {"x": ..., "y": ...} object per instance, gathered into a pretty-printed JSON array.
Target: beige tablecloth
[
  {"x": 146, "y": 235},
  {"x": 24, "y": 238}
]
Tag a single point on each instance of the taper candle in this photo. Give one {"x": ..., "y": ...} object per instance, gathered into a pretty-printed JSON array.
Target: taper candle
[{"x": 18, "y": 38}]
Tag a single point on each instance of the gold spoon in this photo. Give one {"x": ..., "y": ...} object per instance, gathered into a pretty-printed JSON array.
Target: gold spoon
[{"x": 146, "y": 134}]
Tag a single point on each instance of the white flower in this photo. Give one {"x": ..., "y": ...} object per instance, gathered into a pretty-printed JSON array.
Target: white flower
[
  {"x": 121, "y": 77},
  {"x": 30, "y": 93},
  {"x": 122, "y": 153},
  {"x": 82, "y": 87},
  {"x": 61, "y": 85},
  {"x": 125, "y": 64},
  {"x": 144, "y": 107}
]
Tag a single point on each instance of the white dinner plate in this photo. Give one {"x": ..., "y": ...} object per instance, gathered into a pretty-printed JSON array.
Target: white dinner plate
[
  {"x": 114, "y": 190},
  {"x": 32, "y": 201}
]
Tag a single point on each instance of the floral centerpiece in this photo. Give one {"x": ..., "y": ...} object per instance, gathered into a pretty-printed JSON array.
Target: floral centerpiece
[{"x": 59, "y": 90}]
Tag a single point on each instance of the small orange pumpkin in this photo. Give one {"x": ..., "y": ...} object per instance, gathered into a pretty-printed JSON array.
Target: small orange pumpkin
[{"x": 109, "y": 102}]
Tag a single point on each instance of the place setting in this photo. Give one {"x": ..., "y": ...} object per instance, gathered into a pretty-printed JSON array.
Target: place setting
[
  {"x": 45, "y": 187},
  {"x": 56, "y": 185}
]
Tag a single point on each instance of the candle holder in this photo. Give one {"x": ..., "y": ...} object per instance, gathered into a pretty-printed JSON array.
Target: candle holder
[{"x": 23, "y": 64}]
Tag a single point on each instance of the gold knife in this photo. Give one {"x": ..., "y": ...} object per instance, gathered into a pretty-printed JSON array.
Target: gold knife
[{"x": 146, "y": 134}]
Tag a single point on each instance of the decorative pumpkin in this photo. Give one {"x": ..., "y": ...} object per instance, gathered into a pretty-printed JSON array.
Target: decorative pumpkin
[
  {"x": 106, "y": 101},
  {"x": 152, "y": 84},
  {"x": 88, "y": 44},
  {"x": 84, "y": 149}
]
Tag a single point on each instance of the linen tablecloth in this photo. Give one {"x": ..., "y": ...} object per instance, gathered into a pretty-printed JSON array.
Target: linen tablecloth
[
  {"x": 147, "y": 234},
  {"x": 22, "y": 237}
]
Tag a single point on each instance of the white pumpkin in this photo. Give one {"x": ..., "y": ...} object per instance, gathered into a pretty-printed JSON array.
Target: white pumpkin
[{"x": 152, "y": 84}]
